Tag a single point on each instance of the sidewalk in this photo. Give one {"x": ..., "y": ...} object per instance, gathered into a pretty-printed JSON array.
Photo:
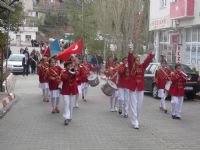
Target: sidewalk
[{"x": 6, "y": 102}]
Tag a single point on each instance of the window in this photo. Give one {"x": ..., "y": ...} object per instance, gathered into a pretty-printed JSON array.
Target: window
[
  {"x": 199, "y": 34},
  {"x": 147, "y": 69},
  {"x": 164, "y": 37},
  {"x": 198, "y": 56},
  {"x": 152, "y": 69},
  {"x": 163, "y": 3},
  {"x": 28, "y": 38},
  {"x": 187, "y": 55},
  {"x": 194, "y": 34},
  {"x": 193, "y": 55},
  {"x": 188, "y": 35}
]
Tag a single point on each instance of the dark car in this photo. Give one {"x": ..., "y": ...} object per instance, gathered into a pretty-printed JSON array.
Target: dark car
[{"x": 192, "y": 85}]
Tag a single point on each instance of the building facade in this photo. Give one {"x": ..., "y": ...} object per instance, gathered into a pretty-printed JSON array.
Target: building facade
[
  {"x": 28, "y": 30},
  {"x": 176, "y": 27}
]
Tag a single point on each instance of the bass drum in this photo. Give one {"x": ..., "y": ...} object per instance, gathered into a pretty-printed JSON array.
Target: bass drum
[
  {"x": 108, "y": 88},
  {"x": 93, "y": 80}
]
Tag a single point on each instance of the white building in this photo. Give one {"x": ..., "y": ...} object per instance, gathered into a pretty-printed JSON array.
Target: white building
[
  {"x": 28, "y": 30},
  {"x": 176, "y": 26}
]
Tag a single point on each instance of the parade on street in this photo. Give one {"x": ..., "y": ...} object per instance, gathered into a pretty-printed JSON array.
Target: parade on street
[{"x": 99, "y": 74}]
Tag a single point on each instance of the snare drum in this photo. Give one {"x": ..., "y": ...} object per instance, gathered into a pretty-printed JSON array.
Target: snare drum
[
  {"x": 108, "y": 88},
  {"x": 168, "y": 85},
  {"x": 93, "y": 80}
]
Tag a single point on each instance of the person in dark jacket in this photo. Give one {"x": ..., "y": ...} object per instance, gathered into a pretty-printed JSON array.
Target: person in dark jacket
[{"x": 25, "y": 64}]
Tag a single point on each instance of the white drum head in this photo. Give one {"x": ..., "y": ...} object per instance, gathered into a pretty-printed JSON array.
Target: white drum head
[
  {"x": 112, "y": 84},
  {"x": 92, "y": 77}
]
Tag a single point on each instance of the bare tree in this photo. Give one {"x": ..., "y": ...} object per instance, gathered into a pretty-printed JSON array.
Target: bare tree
[{"x": 119, "y": 19}]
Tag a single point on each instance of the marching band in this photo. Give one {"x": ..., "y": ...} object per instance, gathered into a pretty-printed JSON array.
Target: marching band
[{"x": 124, "y": 84}]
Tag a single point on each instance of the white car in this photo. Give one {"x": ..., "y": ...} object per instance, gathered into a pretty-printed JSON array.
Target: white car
[{"x": 15, "y": 63}]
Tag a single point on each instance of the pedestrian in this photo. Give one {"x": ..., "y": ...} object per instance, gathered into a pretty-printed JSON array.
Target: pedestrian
[
  {"x": 176, "y": 91},
  {"x": 33, "y": 61},
  {"x": 25, "y": 64},
  {"x": 32, "y": 44},
  {"x": 69, "y": 90},
  {"x": 162, "y": 76},
  {"x": 54, "y": 81},
  {"x": 99, "y": 64},
  {"x": 26, "y": 51},
  {"x": 21, "y": 50},
  {"x": 137, "y": 85}
]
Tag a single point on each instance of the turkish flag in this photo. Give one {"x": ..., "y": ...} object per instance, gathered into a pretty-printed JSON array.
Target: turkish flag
[
  {"x": 47, "y": 52},
  {"x": 64, "y": 55},
  {"x": 75, "y": 48}
]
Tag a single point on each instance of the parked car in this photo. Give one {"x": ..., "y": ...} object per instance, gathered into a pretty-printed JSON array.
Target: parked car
[
  {"x": 15, "y": 63},
  {"x": 192, "y": 85}
]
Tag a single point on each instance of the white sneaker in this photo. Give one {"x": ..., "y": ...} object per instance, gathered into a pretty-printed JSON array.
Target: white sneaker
[{"x": 112, "y": 110}]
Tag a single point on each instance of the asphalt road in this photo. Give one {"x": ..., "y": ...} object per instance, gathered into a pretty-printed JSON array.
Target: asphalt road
[{"x": 29, "y": 125}]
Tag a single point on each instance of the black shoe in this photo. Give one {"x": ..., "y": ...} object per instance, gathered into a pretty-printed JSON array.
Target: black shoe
[
  {"x": 179, "y": 118},
  {"x": 173, "y": 117},
  {"x": 125, "y": 116},
  {"x": 66, "y": 122},
  {"x": 120, "y": 111},
  {"x": 165, "y": 110}
]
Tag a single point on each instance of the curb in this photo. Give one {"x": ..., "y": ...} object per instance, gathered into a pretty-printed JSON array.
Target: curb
[{"x": 6, "y": 103}]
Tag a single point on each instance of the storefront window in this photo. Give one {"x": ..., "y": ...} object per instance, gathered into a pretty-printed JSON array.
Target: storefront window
[
  {"x": 164, "y": 37},
  {"x": 188, "y": 35},
  {"x": 193, "y": 55},
  {"x": 187, "y": 55},
  {"x": 194, "y": 34},
  {"x": 199, "y": 34},
  {"x": 198, "y": 56}
]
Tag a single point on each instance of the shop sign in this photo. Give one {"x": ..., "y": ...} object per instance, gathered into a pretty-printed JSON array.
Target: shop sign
[{"x": 160, "y": 23}]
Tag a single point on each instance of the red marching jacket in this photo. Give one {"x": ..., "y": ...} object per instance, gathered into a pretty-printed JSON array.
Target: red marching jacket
[
  {"x": 161, "y": 77},
  {"x": 137, "y": 72},
  {"x": 42, "y": 69},
  {"x": 54, "y": 73},
  {"x": 84, "y": 73},
  {"x": 123, "y": 81},
  {"x": 178, "y": 81},
  {"x": 70, "y": 86}
]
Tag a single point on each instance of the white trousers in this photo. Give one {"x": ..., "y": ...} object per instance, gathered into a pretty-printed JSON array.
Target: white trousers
[
  {"x": 177, "y": 103},
  {"x": 68, "y": 105},
  {"x": 123, "y": 97},
  {"x": 84, "y": 87},
  {"x": 136, "y": 100},
  {"x": 113, "y": 100},
  {"x": 162, "y": 94},
  {"x": 55, "y": 94}
]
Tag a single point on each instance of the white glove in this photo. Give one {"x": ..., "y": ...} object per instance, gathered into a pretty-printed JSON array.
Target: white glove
[{"x": 126, "y": 65}]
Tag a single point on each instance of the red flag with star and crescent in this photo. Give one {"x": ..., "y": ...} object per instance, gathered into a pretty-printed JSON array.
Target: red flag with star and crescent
[{"x": 75, "y": 48}]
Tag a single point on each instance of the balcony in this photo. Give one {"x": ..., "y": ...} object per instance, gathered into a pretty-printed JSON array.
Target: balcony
[{"x": 181, "y": 9}]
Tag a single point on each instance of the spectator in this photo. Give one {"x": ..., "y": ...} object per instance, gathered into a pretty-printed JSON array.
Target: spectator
[
  {"x": 32, "y": 42},
  {"x": 25, "y": 64},
  {"x": 33, "y": 61},
  {"x": 99, "y": 64},
  {"x": 21, "y": 50},
  {"x": 26, "y": 51}
]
